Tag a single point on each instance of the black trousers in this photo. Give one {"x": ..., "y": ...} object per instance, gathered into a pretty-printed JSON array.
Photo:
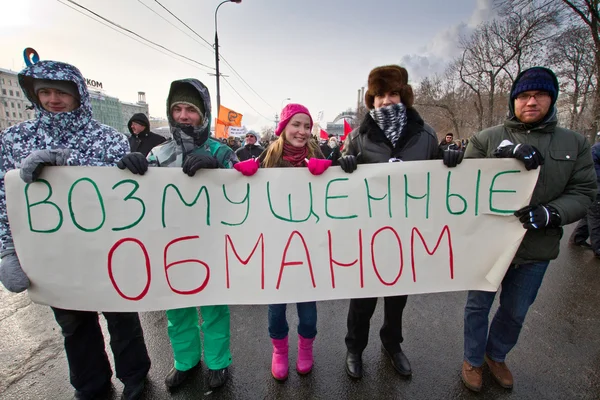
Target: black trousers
[
  {"x": 589, "y": 226},
  {"x": 89, "y": 368},
  {"x": 359, "y": 320}
]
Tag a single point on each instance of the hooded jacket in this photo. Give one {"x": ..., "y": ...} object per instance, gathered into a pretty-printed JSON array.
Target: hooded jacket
[
  {"x": 418, "y": 141},
  {"x": 91, "y": 143},
  {"x": 567, "y": 180},
  {"x": 188, "y": 139},
  {"x": 146, "y": 140}
]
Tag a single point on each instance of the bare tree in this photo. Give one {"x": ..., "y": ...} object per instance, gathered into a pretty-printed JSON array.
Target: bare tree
[
  {"x": 571, "y": 12},
  {"x": 575, "y": 67},
  {"x": 499, "y": 50}
]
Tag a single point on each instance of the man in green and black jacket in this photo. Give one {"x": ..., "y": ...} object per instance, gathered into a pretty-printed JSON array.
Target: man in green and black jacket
[
  {"x": 191, "y": 149},
  {"x": 566, "y": 187}
]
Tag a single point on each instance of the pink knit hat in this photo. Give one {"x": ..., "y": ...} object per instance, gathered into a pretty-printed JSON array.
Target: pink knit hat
[{"x": 288, "y": 112}]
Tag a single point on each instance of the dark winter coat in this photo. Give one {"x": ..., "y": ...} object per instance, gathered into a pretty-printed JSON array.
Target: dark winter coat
[
  {"x": 249, "y": 151},
  {"x": 418, "y": 141},
  {"x": 145, "y": 140},
  {"x": 567, "y": 180},
  {"x": 331, "y": 154}
]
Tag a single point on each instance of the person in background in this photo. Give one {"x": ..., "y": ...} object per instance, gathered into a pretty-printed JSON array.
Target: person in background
[
  {"x": 391, "y": 131},
  {"x": 65, "y": 134},
  {"x": 565, "y": 188},
  {"x": 192, "y": 150},
  {"x": 233, "y": 143},
  {"x": 331, "y": 150},
  {"x": 142, "y": 140},
  {"x": 447, "y": 142},
  {"x": 251, "y": 149},
  {"x": 295, "y": 147},
  {"x": 589, "y": 226}
]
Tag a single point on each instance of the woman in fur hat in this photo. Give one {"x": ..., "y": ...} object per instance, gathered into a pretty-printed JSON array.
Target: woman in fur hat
[
  {"x": 392, "y": 131},
  {"x": 294, "y": 147}
]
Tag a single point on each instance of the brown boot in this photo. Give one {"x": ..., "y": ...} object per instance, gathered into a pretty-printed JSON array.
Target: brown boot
[
  {"x": 471, "y": 376},
  {"x": 500, "y": 372}
]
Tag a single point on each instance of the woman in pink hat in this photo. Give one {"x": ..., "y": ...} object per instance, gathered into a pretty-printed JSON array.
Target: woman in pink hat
[{"x": 293, "y": 148}]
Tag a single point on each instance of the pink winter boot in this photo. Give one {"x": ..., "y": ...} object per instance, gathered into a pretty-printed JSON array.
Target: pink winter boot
[
  {"x": 280, "y": 363},
  {"x": 304, "y": 363}
]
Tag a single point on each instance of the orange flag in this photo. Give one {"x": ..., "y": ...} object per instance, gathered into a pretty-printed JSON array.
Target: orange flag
[{"x": 229, "y": 117}]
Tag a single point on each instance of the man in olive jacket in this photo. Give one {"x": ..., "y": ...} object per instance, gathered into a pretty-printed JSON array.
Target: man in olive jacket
[{"x": 566, "y": 187}]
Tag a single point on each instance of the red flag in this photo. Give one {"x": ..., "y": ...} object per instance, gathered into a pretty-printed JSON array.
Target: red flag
[
  {"x": 323, "y": 134},
  {"x": 347, "y": 130}
]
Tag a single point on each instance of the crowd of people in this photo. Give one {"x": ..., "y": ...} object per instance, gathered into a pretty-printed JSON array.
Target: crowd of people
[{"x": 65, "y": 134}]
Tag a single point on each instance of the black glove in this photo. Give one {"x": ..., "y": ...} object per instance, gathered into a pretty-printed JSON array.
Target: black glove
[
  {"x": 538, "y": 216},
  {"x": 349, "y": 163},
  {"x": 453, "y": 157},
  {"x": 194, "y": 162},
  {"x": 135, "y": 162},
  {"x": 528, "y": 154}
]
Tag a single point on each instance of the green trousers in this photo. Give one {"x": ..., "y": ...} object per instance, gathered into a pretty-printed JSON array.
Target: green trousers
[{"x": 184, "y": 333}]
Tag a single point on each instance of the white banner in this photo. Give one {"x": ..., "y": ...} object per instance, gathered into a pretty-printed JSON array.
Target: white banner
[
  {"x": 237, "y": 131},
  {"x": 93, "y": 238}
]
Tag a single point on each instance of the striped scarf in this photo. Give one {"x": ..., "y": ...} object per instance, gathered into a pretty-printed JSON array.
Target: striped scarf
[{"x": 391, "y": 119}]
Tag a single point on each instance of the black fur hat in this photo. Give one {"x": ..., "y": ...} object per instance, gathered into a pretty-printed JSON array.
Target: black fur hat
[{"x": 389, "y": 78}]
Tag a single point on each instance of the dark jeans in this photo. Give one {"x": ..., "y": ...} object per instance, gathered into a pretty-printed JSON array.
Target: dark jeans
[
  {"x": 307, "y": 320},
  {"x": 84, "y": 344},
  {"x": 589, "y": 226},
  {"x": 519, "y": 290},
  {"x": 359, "y": 318}
]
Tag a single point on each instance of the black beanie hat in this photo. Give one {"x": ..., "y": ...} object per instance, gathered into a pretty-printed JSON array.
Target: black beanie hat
[{"x": 535, "y": 78}]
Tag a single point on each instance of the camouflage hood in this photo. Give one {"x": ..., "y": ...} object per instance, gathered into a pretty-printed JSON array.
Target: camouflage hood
[{"x": 58, "y": 124}]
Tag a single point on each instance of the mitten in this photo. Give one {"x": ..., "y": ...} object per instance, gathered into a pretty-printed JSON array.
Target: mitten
[
  {"x": 452, "y": 158},
  {"x": 317, "y": 166},
  {"x": 538, "y": 216},
  {"x": 32, "y": 166},
  {"x": 194, "y": 162},
  {"x": 11, "y": 275},
  {"x": 134, "y": 162},
  {"x": 248, "y": 167}
]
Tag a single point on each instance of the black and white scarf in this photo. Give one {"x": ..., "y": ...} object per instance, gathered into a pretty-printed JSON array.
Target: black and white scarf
[{"x": 391, "y": 119}]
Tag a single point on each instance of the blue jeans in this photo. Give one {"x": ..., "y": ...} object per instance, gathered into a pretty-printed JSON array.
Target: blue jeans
[
  {"x": 519, "y": 289},
  {"x": 307, "y": 320}
]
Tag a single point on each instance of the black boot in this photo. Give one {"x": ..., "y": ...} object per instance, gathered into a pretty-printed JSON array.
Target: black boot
[
  {"x": 105, "y": 391},
  {"x": 354, "y": 365},
  {"x": 176, "y": 377},
  {"x": 133, "y": 391},
  {"x": 217, "y": 377},
  {"x": 399, "y": 362}
]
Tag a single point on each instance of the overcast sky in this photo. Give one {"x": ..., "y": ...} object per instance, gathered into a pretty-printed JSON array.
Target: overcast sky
[{"x": 316, "y": 52}]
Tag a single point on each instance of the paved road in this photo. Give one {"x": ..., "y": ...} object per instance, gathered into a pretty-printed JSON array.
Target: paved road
[{"x": 558, "y": 356}]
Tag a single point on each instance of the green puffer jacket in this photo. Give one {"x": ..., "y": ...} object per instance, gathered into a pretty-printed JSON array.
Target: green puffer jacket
[{"x": 567, "y": 180}]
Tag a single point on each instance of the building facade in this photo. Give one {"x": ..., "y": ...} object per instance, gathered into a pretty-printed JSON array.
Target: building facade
[{"x": 15, "y": 108}]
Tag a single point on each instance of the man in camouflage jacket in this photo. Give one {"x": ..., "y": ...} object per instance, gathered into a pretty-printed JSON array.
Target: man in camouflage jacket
[{"x": 64, "y": 133}]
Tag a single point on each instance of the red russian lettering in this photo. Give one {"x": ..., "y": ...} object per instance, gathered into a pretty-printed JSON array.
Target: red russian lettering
[
  {"x": 167, "y": 266},
  {"x": 260, "y": 240},
  {"x": 341, "y": 264},
  {"x": 148, "y": 270},
  {"x": 373, "y": 255},
  {"x": 285, "y": 263},
  {"x": 446, "y": 229}
]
